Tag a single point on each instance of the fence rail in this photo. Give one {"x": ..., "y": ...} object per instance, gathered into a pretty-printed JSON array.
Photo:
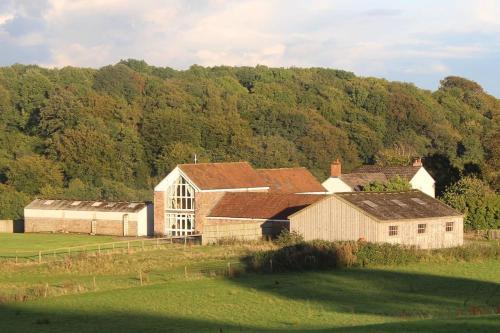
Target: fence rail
[{"x": 40, "y": 256}]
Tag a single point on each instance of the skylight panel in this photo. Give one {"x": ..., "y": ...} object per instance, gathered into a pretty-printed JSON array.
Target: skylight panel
[
  {"x": 75, "y": 203},
  {"x": 370, "y": 203},
  {"x": 111, "y": 204},
  {"x": 96, "y": 204},
  {"x": 48, "y": 202},
  {"x": 420, "y": 202},
  {"x": 399, "y": 203},
  {"x": 132, "y": 205}
]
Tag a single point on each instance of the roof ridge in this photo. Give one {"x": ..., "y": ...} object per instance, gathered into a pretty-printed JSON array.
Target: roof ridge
[
  {"x": 285, "y": 168},
  {"x": 206, "y": 163}
]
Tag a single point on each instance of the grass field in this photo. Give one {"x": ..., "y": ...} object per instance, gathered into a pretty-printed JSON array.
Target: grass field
[
  {"x": 423, "y": 297},
  {"x": 9, "y": 243}
]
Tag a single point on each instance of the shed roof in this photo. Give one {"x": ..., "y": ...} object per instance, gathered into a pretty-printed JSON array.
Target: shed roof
[
  {"x": 262, "y": 205},
  {"x": 406, "y": 172},
  {"x": 76, "y": 205},
  {"x": 290, "y": 180},
  {"x": 216, "y": 176},
  {"x": 398, "y": 205},
  {"x": 358, "y": 180}
]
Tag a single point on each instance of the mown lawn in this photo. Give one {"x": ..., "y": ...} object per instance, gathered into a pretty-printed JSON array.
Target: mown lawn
[
  {"x": 423, "y": 297},
  {"x": 9, "y": 243}
]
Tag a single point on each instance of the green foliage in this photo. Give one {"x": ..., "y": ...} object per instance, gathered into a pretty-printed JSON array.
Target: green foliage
[
  {"x": 477, "y": 201},
  {"x": 12, "y": 202},
  {"x": 286, "y": 238},
  {"x": 394, "y": 184},
  {"x": 117, "y": 130},
  {"x": 30, "y": 174}
]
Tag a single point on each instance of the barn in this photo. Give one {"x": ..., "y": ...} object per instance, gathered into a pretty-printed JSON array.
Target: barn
[
  {"x": 89, "y": 217},
  {"x": 408, "y": 217}
]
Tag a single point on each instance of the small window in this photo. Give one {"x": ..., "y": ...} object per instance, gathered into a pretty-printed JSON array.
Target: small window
[
  {"x": 417, "y": 200},
  {"x": 393, "y": 230},
  {"x": 399, "y": 203},
  {"x": 421, "y": 228},
  {"x": 370, "y": 203},
  {"x": 449, "y": 226},
  {"x": 96, "y": 204}
]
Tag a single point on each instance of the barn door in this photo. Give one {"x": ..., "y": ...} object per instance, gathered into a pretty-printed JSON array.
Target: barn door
[{"x": 125, "y": 225}]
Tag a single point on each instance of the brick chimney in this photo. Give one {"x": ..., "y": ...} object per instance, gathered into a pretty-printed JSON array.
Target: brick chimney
[
  {"x": 417, "y": 162},
  {"x": 336, "y": 168}
]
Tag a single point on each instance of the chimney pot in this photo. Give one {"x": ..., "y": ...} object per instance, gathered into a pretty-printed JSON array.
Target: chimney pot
[
  {"x": 417, "y": 161},
  {"x": 336, "y": 168}
]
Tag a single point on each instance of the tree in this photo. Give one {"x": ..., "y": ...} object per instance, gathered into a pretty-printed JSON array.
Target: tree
[
  {"x": 12, "y": 202},
  {"x": 29, "y": 174},
  {"x": 399, "y": 154},
  {"x": 394, "y": 184},
  {"x": 479, "y": 204}
]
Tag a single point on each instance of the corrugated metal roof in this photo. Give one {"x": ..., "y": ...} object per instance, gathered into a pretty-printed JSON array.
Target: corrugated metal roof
[
  {"x": 290, "y": 180},
  {"x": 262, "y": 205},
  {"x": 398, "y": 205},
  {"x": 216, "y": 176},
  {"x": 78, "y": 205}
]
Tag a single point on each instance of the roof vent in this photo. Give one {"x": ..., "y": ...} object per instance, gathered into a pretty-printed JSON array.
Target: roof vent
[
  {"x": 420, "y": 202},
  {"x": 370, "y": 203},
  {"x": 96, "y": 204},
  {"x": 399, "y": 203},
  {"x": 48, "y": 202},
  {"x": 75, "y": 203}
]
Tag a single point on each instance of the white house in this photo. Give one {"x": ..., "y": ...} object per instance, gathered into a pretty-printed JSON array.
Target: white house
[{"x": 415, "y": 174}]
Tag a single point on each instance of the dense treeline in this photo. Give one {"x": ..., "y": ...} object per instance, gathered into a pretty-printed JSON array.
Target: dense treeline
[{"x": 112, "y": 133}]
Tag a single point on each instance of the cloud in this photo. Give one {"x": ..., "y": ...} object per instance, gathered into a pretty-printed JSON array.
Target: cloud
[{"x": 397, "y": 40}]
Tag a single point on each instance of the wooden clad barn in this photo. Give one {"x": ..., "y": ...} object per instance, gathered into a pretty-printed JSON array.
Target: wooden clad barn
[
  {"x": 253, "y": 215},
  {"x": 187, "y": 195},
  {"x": 89, "y": 217},
  {"x": 409, "y": 217}
]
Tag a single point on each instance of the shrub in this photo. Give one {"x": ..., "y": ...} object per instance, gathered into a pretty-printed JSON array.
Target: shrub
[{"x": 289, "y": 238}]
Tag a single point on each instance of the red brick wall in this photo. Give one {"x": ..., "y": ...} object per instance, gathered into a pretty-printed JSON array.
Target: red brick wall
[
  {"x": 159, "y": 212},
  {"x": 103, "y": 227},
  {"x": 204, "y": 202}
]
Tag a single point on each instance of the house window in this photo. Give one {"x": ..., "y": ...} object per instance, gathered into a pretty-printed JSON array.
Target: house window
[
  {"x": 449, "y": 226},
  {"x": 393, "y": 230},
  {"x": 179, "y": 224},
  {"x": 421, "y": 228}
]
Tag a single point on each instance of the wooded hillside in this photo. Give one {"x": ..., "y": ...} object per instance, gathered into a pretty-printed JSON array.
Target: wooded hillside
[{"x": 113, "y": 133}]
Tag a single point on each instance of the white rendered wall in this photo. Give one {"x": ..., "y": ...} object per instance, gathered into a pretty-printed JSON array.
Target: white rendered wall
[
  {"x": 335, "y": 185},
  {"x": 424, "y": 182}
]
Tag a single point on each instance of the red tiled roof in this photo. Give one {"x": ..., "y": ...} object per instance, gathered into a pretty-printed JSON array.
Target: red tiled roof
[
  {"x": 291, "y": 180},
  {"x": 262, "y": 205},
  {"x": 216, "y": 176}
]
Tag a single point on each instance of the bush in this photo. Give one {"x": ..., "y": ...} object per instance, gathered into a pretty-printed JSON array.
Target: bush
[
  {"x": 289, "y": 238},
  {"x": 318, "y": 255}
]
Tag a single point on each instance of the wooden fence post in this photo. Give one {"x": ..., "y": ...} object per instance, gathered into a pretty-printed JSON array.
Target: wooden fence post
[
  {"x": 140, "y": 276},
  {"x": 185, "y": 272},
  {"x": 229, "y": 268},
  {"x": 99, "y": 249},
  {"x": 16, "y": 256},
  {"x": 94, "y": 284},
  {"x": 128, "y": 247},
  {"x": 39, "y": 257}
]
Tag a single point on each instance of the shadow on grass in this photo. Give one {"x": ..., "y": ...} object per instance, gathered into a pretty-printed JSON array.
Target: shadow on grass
[
  {"x": 382, "y": 292},
  {"x": 408, "y": 300},
  {"x": 20, "y": 321}
]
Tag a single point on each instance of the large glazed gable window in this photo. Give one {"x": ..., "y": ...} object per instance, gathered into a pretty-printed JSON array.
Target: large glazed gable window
[
  {"x": 180, "y": 195},
  {"x": 179, "y": 217}
]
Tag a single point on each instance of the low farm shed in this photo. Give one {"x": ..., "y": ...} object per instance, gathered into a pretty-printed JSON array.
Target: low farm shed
[
  {"x": 89, "y": 217},
  {"x": 407, "y": 217}
]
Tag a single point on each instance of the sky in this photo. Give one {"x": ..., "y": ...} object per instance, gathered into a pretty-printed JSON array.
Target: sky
[{"x": 417, "y": 41}]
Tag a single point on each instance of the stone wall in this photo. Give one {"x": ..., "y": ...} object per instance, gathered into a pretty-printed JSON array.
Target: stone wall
[
  {"x": 204, "y": 202},
  {"x": 216, "y": 230},
  {"x": 58, "y": 225}
]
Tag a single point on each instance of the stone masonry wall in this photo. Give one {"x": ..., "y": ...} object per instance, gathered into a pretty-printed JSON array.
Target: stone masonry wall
[
  {"x": 103, "y": 227},
  {"x": 159, "y": 213}
]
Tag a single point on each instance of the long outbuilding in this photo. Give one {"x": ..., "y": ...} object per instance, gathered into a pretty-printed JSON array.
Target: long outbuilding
[
  {"x": 89, "y": 217},
  {"x": 407, "y": 217}
]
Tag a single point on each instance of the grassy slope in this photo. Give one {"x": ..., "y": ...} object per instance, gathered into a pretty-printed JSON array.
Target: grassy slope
[{"x": 419, "y": 297}]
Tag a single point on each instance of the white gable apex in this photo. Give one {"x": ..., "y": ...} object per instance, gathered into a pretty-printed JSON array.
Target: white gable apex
[{"x": 171, "y": 178}]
